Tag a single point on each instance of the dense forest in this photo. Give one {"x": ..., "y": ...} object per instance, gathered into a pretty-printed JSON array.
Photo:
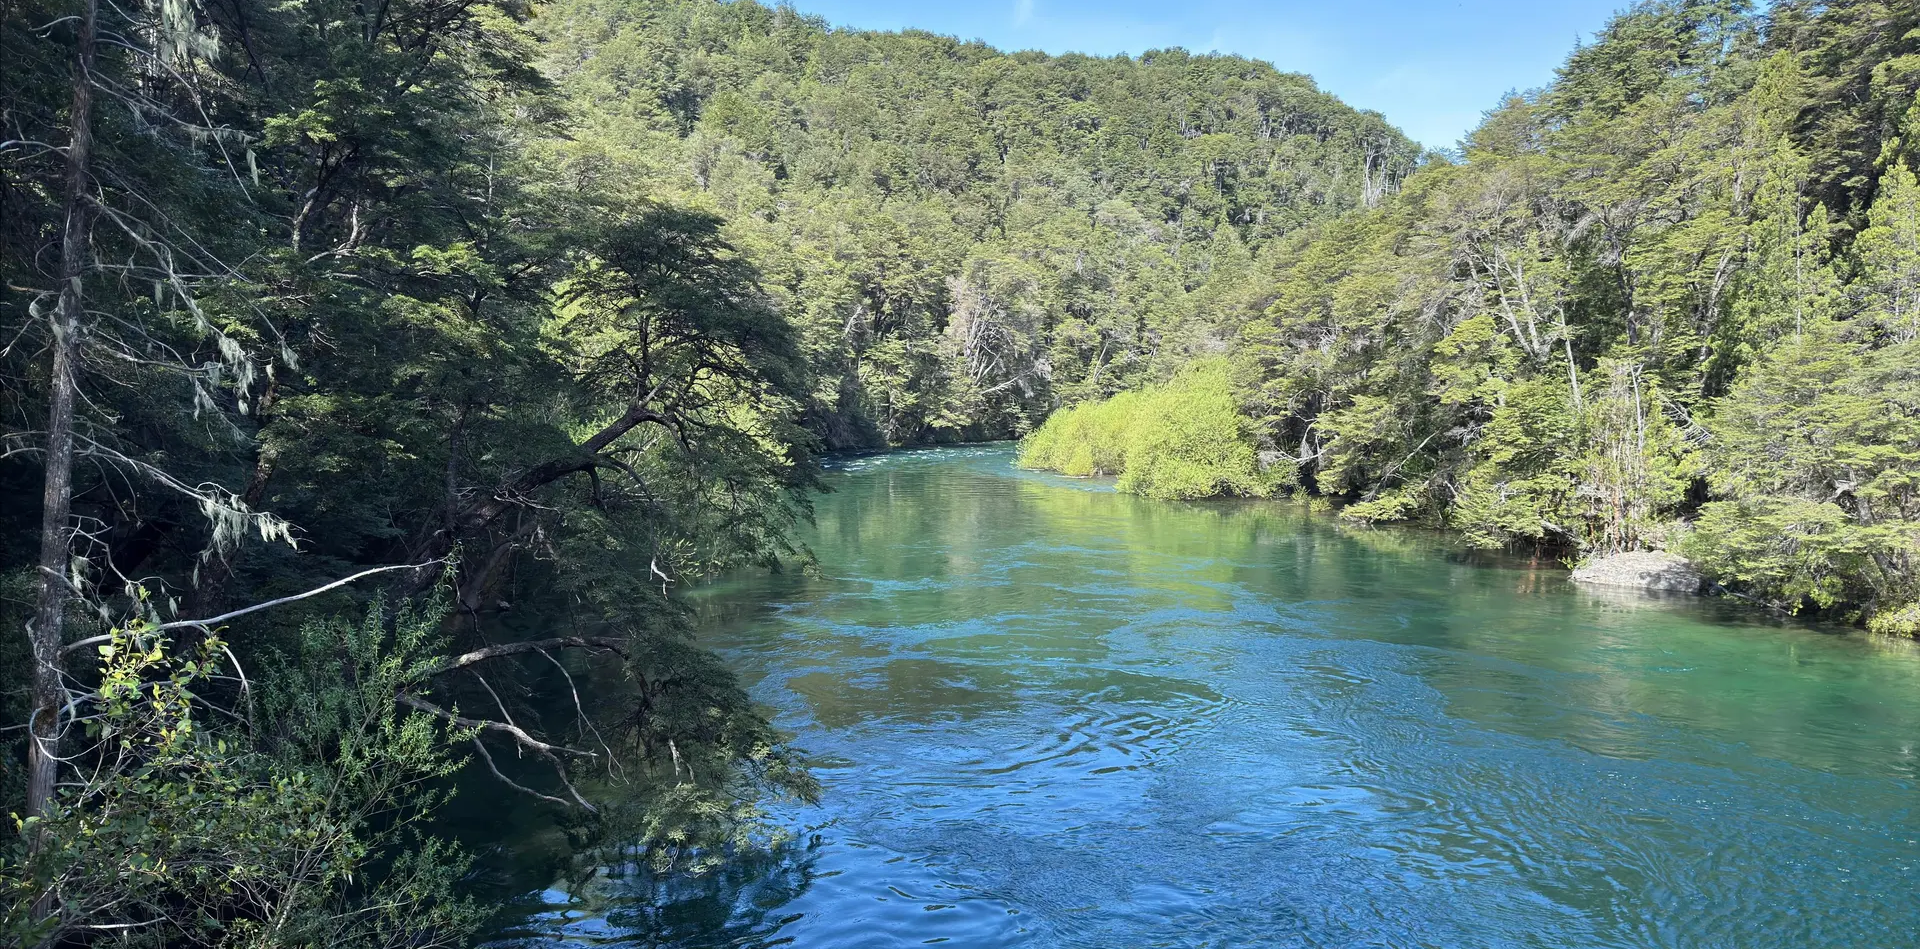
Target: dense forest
[
  {"x": 376, "y": 376},
  {"x": 964, "y": 238},
  {"x": 1670, "y": 301}
]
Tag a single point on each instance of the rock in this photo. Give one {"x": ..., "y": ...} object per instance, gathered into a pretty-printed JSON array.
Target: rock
[{"x": 1650, "y": 570}]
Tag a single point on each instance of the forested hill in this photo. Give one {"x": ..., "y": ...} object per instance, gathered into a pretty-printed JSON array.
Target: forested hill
[
  {"x": 965, "y": 238},
  {"x": 1671, "y": 301}
]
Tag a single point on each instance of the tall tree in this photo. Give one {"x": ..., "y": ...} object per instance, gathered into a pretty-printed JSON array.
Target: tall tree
[{"x": 54, "y": 584}]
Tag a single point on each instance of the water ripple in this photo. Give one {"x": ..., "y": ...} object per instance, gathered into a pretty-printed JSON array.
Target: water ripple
[{"x": 1050, "y": 715}]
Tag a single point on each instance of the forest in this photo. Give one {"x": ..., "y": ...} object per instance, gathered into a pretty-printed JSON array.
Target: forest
[
  {"x": 378, "y": 376},
  {"x": 1668, "y": 302}
]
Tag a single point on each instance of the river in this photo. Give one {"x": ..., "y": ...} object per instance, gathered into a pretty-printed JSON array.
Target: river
[{"x": 1047, "y": 714}]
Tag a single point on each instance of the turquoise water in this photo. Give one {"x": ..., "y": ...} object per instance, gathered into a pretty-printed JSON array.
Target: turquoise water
[{"x": 1046, "y": 714}]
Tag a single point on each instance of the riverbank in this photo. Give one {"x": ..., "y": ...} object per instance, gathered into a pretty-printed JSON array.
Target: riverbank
[{"x": 1190, "y": 427}]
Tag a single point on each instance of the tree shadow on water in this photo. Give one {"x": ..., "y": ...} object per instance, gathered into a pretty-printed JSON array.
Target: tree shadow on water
[{"x": 743, "y": 902}]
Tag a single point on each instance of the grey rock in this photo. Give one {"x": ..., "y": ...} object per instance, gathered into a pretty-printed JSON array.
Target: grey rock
[{"x": 1646, "y": 570}]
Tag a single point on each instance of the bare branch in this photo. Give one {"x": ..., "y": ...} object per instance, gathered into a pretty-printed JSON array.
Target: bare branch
[
  {"x": 257, "y": 607},
  {"x": 550, "y": 752},
  {"x": 509, "y": 782},
  {"x": 613, "y": 761},
  {"x": 519, "y": 734},
  {"x": 539, "y": 645}
]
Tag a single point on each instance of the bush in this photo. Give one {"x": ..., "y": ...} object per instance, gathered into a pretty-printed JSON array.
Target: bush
[
  {"x": 1183, "y": 439},
  {"x": 290, "y": 816}
]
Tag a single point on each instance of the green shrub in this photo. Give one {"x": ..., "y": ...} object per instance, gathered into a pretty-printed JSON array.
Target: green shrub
[
  {"x": 1183, "y": 439},
  {"x": 293, "y": 812}
]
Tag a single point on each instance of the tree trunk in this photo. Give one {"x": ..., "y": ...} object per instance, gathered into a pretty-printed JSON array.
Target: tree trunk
[{"x": 50, "y": 607}]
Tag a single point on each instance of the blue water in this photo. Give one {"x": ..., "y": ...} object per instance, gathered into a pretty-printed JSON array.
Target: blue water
[{"x": 1046, "y": 714}]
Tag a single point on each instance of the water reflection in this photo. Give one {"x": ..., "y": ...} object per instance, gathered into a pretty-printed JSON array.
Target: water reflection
[
  {"x": 630, "y": 904},
  {"x": 1052, "y": 715}
]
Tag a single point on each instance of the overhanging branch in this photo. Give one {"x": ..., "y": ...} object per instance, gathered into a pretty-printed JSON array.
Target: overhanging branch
[
  {"x": 550, "y": 752},
  {"x": 539, "y": 645}
]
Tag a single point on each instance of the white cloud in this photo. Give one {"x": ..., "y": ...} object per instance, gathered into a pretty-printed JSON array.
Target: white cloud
[{"x": 1022, "y": 12}]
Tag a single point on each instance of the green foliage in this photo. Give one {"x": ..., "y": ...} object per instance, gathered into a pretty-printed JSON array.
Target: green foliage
[
  {"x": 354, "y": 282},
  {"x": 1888, "y": 285},
  {"x": 1816, "y": 452},
  {"x": 1671, "y": 287},
  {"x": 1520, "y": 487},
  {"x": 1087, "y": 440},
  {"x": 579, "y": 295},
  {"x": 1676, "y": 285},
  {"x": 966, "y": 238},
  {"x": 710, "y": 767},
  {"x": 1863, "y": 73},
  {"x": 1182, "y": 439},
  {"x": 1637, "y": 464},
  {"x": 289, "y": 819}
]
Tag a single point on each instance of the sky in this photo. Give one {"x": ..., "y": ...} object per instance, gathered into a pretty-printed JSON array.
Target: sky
[{"x": 1432, "y": 67}]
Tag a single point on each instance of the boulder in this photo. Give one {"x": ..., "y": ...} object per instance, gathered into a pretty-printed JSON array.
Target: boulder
[{"x": 1645, "y": 570}]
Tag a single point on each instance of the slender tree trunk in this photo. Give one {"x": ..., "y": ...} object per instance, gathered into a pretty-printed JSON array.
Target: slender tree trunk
[
  {"x": 50, "y": 608},
  {"x": 1573, "y": 367}
]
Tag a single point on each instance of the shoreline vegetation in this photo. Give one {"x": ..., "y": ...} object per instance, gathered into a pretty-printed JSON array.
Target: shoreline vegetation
[
  {"x": 1182, "y": 439},
  {"x": 1670, "y": 302}
]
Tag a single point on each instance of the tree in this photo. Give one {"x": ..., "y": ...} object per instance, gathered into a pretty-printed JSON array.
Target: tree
[
  {"x": 115, "y": 229},
  {"x": 422, "y": 355},
  {"x": 870, "y": 177},
  {"x": 1889, "y": 250},
  {"x": 1813, "y": 456}
]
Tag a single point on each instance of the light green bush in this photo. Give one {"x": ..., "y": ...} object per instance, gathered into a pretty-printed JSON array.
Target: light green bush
[{"x": 1183, "y": 439}]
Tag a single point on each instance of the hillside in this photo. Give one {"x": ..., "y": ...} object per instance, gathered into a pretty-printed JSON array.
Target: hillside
[
  {"x": 1670, "y": 301},
  {"x": 966, "y": 238}
]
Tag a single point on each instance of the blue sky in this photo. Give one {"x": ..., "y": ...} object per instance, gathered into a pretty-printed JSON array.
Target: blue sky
[{"x": 1431, "y": 67}]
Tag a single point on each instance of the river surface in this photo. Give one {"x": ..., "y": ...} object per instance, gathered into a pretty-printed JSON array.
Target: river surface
[{"x": 1046, "y": 714}]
